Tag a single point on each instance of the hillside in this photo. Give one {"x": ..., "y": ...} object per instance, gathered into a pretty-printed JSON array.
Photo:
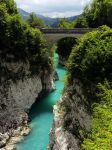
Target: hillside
[
  {"x": 24, "y": 14},
  {"x": 53, "y": 22}
]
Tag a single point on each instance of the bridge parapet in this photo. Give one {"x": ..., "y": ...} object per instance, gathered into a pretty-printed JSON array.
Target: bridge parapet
[
  {"x": 53, "y": 35},
  {"x": 67, "y": 31}
]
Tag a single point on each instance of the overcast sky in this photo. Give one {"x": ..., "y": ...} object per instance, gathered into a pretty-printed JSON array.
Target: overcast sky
[{"x": 53, "y": 8}]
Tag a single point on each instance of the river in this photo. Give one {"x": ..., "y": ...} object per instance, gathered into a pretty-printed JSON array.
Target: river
[{"x": 41, "y": 115}]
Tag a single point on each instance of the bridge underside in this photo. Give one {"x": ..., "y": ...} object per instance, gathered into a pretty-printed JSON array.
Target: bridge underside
[{"x": 52, "y": 38}]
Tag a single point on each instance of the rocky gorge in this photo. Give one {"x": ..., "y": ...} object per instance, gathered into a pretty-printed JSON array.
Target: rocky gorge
[
  {"x": 26, "y": 71},
  {"x": 82, "y": 117},
  {"x": 82, "y": 98},
  {"x": 17, "y": 96},
  {"x": 71, "y": 118}
]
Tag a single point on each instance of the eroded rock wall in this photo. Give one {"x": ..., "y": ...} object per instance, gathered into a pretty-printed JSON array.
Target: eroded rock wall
[
  {"x": 19, "y": 88},
  {"x": 71, "y": 119}
]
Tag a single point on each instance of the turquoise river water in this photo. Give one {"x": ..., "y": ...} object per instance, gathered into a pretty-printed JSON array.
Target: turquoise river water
[{"x": 42, "y": 116}]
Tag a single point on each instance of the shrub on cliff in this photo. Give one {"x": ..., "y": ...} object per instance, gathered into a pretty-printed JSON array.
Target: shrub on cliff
[
  {"x": 100, "y": 136},
  {"x": 91, "y": 58},
  {"x": 17, "y": 38},
  {"x": 65, "y": 45},
  {"x": 90, "y": 61}
]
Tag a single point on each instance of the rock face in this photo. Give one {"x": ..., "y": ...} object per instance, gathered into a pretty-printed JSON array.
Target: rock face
[
  {"x": 72, "y": 119},
  {"x": 56, "y": 77},
  {"x": 62, "y": 60},
  {"x": 19, "y": 88}
]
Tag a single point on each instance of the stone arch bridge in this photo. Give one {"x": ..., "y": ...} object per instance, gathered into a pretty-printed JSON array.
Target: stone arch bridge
[{"x": 53, "y": 35}]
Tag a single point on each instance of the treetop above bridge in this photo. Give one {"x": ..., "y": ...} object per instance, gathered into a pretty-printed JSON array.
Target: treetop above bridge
[{"x": 67, "y": 31}]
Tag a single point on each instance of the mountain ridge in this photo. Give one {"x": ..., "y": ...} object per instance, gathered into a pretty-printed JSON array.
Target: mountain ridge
[{"x": 53, "y": 22}]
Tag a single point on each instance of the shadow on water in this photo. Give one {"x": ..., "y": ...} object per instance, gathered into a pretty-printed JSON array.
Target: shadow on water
[{"x": 39, "y": 107}]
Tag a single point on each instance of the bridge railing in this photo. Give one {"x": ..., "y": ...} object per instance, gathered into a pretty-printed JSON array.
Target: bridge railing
[{"x": 69, "y": 31}]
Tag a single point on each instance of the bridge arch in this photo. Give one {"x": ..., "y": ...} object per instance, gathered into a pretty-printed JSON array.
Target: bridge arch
[
  {"x": 53, "y": 35},
  {"x": 54, "y": 38}
]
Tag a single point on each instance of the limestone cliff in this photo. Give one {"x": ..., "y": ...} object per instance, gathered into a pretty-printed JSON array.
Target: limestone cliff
[
  {"x": 71, "y": 118},
  {"x": 19, "y": 88}
]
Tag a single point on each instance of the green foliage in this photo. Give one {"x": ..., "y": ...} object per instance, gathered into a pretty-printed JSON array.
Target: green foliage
[
  {"x": 100, "y": 137},
  {"x": 98, "y": 13},
  {"x": 80, "y": 22},
  {"x": 90, "y": 61},
  {"x": 10, "y": 6},
  {"x": 91, "y": 58},
  {"x": 65, "y": 45},
  {"x": 64, "y": 24},
  {"x": 35, "y": 21},
  {"x": 17, "y": 38}
]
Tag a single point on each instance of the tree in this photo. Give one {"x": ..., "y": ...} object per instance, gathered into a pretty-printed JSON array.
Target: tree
[
  {"x": 35, "y": 21},
  {"x": 64, "y": 24},
  {"x": 10, "y": 5},
  {"x": 23, "y": 41},
  {"x": 80, "y": 22},
  {"x": 98, "y": 13}
]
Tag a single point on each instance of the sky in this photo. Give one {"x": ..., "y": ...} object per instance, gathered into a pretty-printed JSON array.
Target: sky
[{"x": 53, "y": 8}]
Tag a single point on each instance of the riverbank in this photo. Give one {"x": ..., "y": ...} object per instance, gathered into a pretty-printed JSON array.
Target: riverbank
[
  {"x": 17, "y": 136},
  {"x": 23, "y": 94},
  {"x": 42, "y": 116}
]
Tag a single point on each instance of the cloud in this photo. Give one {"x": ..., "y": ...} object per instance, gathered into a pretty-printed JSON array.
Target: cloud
[
  {"x": 53, "y": 8},
  {"x": 25, "y": 7},
  {"x": 61, "y": 14}
]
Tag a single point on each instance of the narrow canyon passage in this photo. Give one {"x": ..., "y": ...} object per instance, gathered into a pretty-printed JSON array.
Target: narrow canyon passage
[{"x": 42, "y": 116}]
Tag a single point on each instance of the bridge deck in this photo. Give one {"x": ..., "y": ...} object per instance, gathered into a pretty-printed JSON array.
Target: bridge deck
[
  {"x": 67, "y": 31},
  {"x": 53, "y": 35}
]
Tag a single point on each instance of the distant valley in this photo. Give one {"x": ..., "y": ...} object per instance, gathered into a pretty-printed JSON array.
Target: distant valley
[{"x": 53, "y": 22}]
